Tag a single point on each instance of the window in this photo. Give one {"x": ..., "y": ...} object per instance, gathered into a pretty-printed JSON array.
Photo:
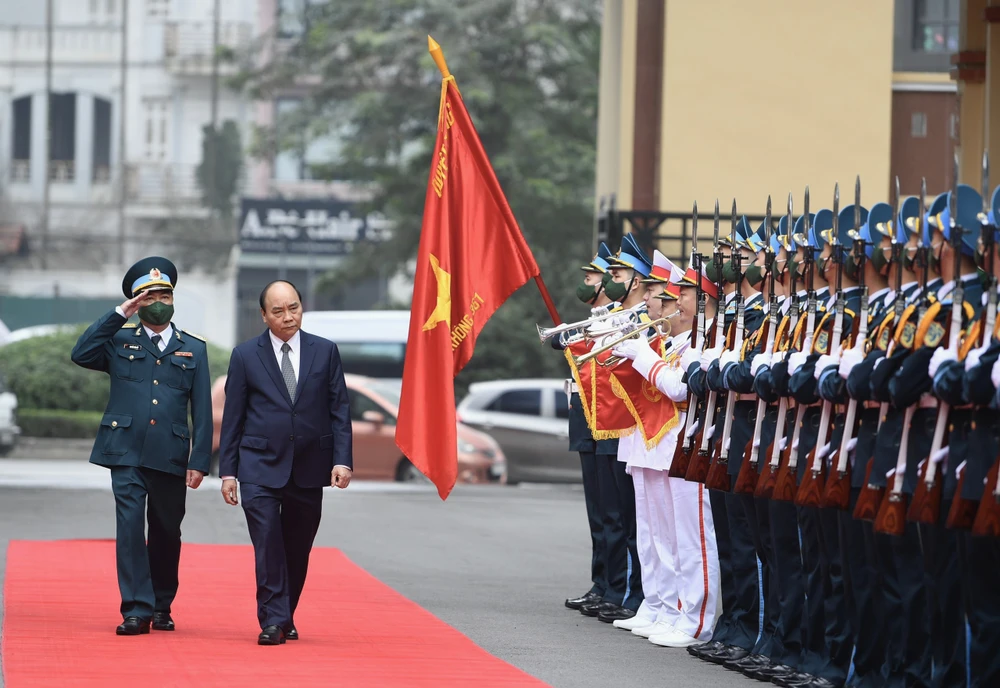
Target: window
[
  {"x": 296, "y": 161},
  {"x": 918, "y": 125},
  {"x": 155, "y": 135},
  {"x": 525, "y": 402},
  {"x": 62, "y": 148},
  {"x": 21, "y": 169},
  {"x": 562, "y": 405},
  {"x": 373, "y": 359},
  {"x": 935, "y": 26},
  {"x": 102, "y": 141},
  {"x": 157, "y": 8},
  {"x": 360, "y": 403}
]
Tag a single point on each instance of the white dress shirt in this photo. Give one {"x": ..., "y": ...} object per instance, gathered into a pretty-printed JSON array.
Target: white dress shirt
[
  {"x": 294, "y": 355},
  {"x": 164, "y": 336}
]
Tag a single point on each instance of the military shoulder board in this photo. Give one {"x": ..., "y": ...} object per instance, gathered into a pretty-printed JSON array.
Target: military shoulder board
[
  {"x": 192, "y": 334},
  {"x": 129, "y": 326}
]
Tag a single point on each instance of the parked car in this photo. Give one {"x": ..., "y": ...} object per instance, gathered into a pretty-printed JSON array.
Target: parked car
[
  {"x": 371, "y": 343},
  {"x": 530, "y": 421},
  {"x": 374, "y": 407},
  {"x": 9, "y": 432}
]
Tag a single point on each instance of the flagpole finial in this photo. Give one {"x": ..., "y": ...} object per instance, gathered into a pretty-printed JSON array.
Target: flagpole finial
[{"x": 434, "y": 48}]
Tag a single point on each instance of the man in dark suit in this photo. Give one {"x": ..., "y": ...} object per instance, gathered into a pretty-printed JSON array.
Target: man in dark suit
[
  {"x": 286, "y": 434},
  {"x": 156, "y": 371}
]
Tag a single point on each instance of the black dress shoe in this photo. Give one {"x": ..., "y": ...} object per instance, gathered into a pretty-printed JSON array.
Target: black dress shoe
[
  {"x": 819, "y": 682},
  {"x": 271, "y": 635},
  {"x": 292, "y": 634},
  {"x": 793, "y": 680},
  {"x": 619, "y": 614},
  {"x": 133, "y": 625},
  {"x": 577, "y": 602},
  {"x": 162, "y": 621},
  {"x": 726, "y": 654},
  {"x": 598, "y": 607},
  {"x": 771, "y": 672},
  {"x": 748, "y": 663},
  {"x": 701, "y": 649}
]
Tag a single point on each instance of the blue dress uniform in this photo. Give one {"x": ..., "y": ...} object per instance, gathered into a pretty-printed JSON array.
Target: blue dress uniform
[
  {"x": 737, "y": 628},
  {"x": 145, "y": 439},
  {"x": 582, "y": 440}
]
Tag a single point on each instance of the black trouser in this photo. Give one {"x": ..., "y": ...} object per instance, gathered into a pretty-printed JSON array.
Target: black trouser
[
  {"x": 981, "y": 556},
  {"x": 787, "y": 580},
  {"x": 592, "y": 498},
  {"x": 282, "y": 524},
  {"x": 618, "y": 509},
  {"x": 745, "y": 617},
  {"x": 943, "y": 575},
  {"x": 147, "y": 568},
  {"x": 864, "y": 602},
  {"x": 737, "y": 625}
]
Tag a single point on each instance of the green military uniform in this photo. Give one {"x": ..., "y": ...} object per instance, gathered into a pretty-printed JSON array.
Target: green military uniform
[{"x": 144, "y": 438}]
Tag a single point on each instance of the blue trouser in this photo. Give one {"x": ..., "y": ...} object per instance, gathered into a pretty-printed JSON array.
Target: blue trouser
[
  {"x": 598, "y": 541},
  {"x": 147, "y": 570},
  {"x": 282, "y": 524}
]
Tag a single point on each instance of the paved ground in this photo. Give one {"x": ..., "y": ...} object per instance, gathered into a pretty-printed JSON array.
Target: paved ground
[{"x": 494, "y": 562}]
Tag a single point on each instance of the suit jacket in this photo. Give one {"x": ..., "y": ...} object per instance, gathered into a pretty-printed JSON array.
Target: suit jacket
[
  {"x": 146, "y": 419},
  {"x": 266, "y": 439}
]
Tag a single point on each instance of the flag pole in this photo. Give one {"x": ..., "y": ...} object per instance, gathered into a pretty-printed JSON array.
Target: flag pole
[{"x": 434, "y": 48}]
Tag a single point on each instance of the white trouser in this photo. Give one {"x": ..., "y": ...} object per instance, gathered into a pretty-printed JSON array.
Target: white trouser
[
  {"x": 654, "y": 541},
  {"x": 698, "y": 558}
]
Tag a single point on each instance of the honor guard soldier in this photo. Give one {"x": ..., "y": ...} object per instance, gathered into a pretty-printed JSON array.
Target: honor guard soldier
[
  {"x": 156, "y": 371},
  {"x": 590, "y": 291}
]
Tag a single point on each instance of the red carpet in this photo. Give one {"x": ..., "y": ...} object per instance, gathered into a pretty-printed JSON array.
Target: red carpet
[{"x": 61, "y": 606}]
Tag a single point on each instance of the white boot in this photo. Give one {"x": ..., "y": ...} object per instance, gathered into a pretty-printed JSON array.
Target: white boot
[
  {"x": 659, "y": 628},
  {"x": 673, "y": 638}
]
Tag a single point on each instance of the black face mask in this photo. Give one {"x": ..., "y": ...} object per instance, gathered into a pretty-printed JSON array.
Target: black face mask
[
  {"x": 587, "y": 293},
  {"x": 156, "y": 313}
]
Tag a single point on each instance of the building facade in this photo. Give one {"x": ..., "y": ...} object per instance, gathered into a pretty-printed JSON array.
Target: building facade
[{"x": 713, "y": 99}]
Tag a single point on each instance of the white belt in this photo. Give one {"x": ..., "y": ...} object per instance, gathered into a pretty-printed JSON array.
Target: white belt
[{"x": 571, "y": 387}]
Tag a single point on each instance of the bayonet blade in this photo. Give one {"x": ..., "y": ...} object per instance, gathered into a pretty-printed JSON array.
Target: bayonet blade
[
  {"x": 767, "y": 226},
  {"x": 895, "y": 210},
  {"x": 923, "y": 210},
  {"x": 986, "y": 182},
  {"x": 732, "y": 238},
  {"x": 835, "y": 237},
  {"x": 805, "y": 212},
  {"x": 857, "y": 204},
  {"x": 694, "y": 228},
  {"x": 716, "y": 223}
]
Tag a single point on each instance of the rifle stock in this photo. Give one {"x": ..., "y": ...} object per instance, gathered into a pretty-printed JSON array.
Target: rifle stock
[
  {"x": 718, "y": 472},
  {"x": 786, "y": 483},
  {"x": 870, "y": 498},
  {"x": 925, "y": 507},
  {"x": 746, "y": 481},
  {"x": 962, "y": 514},
  {"x": 988, "y": 515},
  {"x": 682, "y": 455},
  {"x": 891, "y": 516}
]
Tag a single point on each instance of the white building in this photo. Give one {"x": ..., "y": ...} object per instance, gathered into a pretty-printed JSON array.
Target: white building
[{"x": 98, "y": 220}]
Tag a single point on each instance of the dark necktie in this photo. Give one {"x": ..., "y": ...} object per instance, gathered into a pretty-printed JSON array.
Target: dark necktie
[
  {"x": 156, "y": 340},
  {"x": 287, "y": 371}
]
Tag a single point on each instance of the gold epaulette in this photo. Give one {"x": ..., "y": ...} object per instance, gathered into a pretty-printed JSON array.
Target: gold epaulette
[
  {"x": 969, "y": 339},
  {"x": 881, "y": 335},
  {"x": 192, "y": 334},
  {"x": 930, "y": 332},
  {"x": 130, "y": 326},
  {"x": 780, "y": 333}
]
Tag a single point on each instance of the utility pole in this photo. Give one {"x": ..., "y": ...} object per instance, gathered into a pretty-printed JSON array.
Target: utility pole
[
  {"x": 48, "y": 134},
  {"x": 122, "y": 171}
]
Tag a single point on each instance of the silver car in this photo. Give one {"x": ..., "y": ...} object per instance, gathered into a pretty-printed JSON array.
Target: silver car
[{"x": 529, "y": 419}]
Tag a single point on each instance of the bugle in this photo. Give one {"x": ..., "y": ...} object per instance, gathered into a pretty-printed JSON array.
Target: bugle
[
  {"x": 653, "y": 324},
  {"x": 597, "y": 315}
]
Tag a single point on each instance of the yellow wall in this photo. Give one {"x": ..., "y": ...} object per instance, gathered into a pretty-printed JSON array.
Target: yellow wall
[
  {"x": 616, "y": 109},
  {"x": 765, "y": 97}
]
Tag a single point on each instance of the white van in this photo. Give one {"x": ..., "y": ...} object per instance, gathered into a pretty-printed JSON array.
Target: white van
[{"x": 371, "y": 343}]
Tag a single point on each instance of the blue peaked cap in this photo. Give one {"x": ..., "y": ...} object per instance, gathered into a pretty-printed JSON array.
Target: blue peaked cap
[
  {"x": 779, "y": 238},
  {"x": 632, "y": 256},
  {"x": 845, "y": 227},
  {"x": 600, "y": 262},
  {"x": 967, "y": 207},
  {"x": 799, "y": 235},
  {"x": 906, "y": 222},
  {"x": 880, "y": 213},
  {"x": 935, "y": 209},
  {"x": 821, "y": 226}
]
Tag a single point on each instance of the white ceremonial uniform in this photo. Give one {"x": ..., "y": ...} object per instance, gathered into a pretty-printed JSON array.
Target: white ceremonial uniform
[{"x": 680, "y": 517}]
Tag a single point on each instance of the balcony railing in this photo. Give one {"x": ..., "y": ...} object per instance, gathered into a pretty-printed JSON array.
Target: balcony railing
[
  {"x": 62, "y": 171},
  {"x": 20, "y": 171},
  {"x": 84, "y": 44},
  {"x": 157, "y": 183},
  {"x": 188, "y": 45}
]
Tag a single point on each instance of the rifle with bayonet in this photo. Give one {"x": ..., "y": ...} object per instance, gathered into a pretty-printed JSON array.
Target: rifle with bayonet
[
  {"x": 769, "y": 473},
  {"x": 925, "y": 506},
  {"x": 871, "y": 495},
  {"x": 837, "y": 492},
  {"x": 749, "y": 475},
  {"x": 718, "y": 472},
  {"x": 786, "y": 482},
  {"x": 809, "y": 493},
  {"x": 701, "y": 455},
  {"x": 891, "y": 516},
  {"x": 962, "y": 514},
  {"x": 682, "y": 454}
]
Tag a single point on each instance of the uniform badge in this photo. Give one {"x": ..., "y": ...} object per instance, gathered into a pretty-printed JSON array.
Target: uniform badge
[
  {"x": 906, "y": 337},
  {"x": 650, "y": 391},
  {"x": 935, "y": 333},
  {"x": 883, "y": 339},
  {"x": 822, "y": 342},
  {"x": 186, "y": 354},
  {"x": 134, "y": 347},
  {"x": 154, "y": 273}
]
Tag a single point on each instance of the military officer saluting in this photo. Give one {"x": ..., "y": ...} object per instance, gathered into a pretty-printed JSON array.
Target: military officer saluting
[{"x": 156, "y": 370}]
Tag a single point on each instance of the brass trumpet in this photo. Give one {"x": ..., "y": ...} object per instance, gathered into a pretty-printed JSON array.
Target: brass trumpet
[
  {"x": 615, "y": 360},
  {"x": 597, "y": 315}
]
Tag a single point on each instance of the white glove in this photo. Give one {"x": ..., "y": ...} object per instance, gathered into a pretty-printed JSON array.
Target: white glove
[
  {"x": 778, "y": 357},
  {"x": 795, "y": 361},
  {"x": 760, "y": 361},
  {"x": 940, "y": 356},
  {"x": 849, "y": 359},
  {"x": 691, "y": 355},
  {"x": 709, "y": 355},
  {"x": 972, "y": 359},
  {"x": 629, "y": 348},
  {"x": 995, "y": 374},
  {"x": 823, "y": 363},
  {"x": 728, "y": 357}
]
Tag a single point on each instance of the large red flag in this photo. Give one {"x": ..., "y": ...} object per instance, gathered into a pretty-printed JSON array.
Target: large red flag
[{"x": 472, "y": 257}]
